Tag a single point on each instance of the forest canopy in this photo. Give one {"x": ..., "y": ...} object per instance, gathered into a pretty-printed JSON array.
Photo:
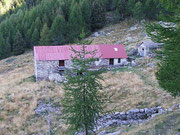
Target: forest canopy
[{"x": 58, "y": 22}]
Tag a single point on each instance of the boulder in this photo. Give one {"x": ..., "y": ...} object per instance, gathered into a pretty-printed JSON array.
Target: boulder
[
  {"x": 55, "y": 77},
  {"x": 102, "y": 33},
  {"x": 150, "y": 64},
  {"x": 96, "y": 34},
  {"x": 133, "y": 64}
]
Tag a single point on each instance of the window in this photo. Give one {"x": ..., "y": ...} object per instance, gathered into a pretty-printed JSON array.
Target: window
[
  {"x": 111, "y": 61},
  {"x": 119, "y": 60},
  {"x": 61, "y": 63}
]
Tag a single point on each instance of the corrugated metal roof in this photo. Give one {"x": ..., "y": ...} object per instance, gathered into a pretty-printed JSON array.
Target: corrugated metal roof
[{"x": 65, "y": 52}]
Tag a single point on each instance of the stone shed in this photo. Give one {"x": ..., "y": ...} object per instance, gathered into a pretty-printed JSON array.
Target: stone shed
[{"x": 50, "y": 60}]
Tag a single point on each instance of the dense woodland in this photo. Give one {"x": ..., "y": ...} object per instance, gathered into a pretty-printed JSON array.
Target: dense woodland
[{"x": 24, "y": 24}]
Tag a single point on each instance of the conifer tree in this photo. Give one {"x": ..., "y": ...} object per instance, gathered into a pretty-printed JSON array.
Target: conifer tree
[
  {"x": 58, "y": 30},
  {"x": 122, "y": 8},
  {"x": 86, "y": 13},
  {"x": 168, "y": 73},
  {"x": 35, "y": 37},
  {"x": 19, "y": 44},
  {"x": 82, "y": 102},
  {"x": 2, "y": 47},
  {"x": 38, "y": 24},
  {"x": 130, "y": 6},
  {"x": 138, "y": 11},
  {"x": 76, "y": 22},
  {"x": 45, "y": 36},
  {"x": 98, "y": 14}
]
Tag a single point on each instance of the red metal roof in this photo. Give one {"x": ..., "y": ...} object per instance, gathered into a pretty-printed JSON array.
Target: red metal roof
[{"x": 64, "y": 52}]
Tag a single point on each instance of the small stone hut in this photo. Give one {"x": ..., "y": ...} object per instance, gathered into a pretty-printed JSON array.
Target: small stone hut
[{"x": 55, "y": 59}]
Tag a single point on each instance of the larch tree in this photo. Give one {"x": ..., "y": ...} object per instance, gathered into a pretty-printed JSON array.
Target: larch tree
[
  {"x": 168, "y": 33},
  {"x": 83, "y": 101}
]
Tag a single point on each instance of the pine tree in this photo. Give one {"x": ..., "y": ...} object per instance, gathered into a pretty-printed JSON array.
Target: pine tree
[
  {"x": 86, "y": 13},
  {"x": 19, "y": 44},
  {"x": 76, "y": 22},
  {"x": 130, "y": 6},
  {"x": 168, "y": 73},
  {"x": 37, "y": 24},
  {"x": 35, "y": 37},
  {"x": 98, "y": 16},
  {"x": 58, "y": 30},
  {"x": 138, "y": 11},
  {"x": 122, "y": 8},
  {"x": 82, "y": 102},
  {"x": 45, "y": 36},
  {"x": 2, "y": 47}
]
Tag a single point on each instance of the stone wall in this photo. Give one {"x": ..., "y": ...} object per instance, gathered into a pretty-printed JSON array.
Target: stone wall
[{"x": 44, "y": 68}]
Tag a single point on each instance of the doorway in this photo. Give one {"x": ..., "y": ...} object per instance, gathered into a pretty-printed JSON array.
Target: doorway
[{"x": 111, "y": 61}]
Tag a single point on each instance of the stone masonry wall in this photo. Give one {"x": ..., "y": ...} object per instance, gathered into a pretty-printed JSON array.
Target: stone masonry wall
[{"x": 44, "y": 68}]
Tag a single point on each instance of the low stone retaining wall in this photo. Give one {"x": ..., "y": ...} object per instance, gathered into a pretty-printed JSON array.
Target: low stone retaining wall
[{"x": 132, "y": 116}]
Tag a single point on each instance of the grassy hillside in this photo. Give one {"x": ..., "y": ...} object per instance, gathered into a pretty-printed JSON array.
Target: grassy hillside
[{"x": 131, "y": 87}]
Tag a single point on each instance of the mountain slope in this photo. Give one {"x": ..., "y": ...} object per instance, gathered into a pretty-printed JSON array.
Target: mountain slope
[{"x": 20, "y": 94}]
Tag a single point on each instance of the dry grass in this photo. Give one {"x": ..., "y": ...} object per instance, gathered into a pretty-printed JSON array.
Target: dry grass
[
  {"x": 136, "y": 89},
  {"x": 166, "y": 124},
  {"x": 132, "y": 88}
]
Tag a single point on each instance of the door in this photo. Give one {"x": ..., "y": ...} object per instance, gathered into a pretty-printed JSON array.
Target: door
[
  {"x": 61, "y": 63},
  {"x": 111, "y": 61}
]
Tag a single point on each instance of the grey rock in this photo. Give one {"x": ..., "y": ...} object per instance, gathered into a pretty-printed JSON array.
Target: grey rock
[
  {"x": 102, "y": 33},
  {"x": 133, "y": 27},
  {"x": 134, "y": 64},
  {"x": 130, "y": 39},
  {"x": 55, "y": 77},
  {"x": 142, "y": 110},
  {"x": 43, "y": 108},
  {"x": 10, "y": 60},
  {"x": 134, "y": 111},
  {"x": 118, "y": 42},
  {"x": 96, "y": 34},
  {"x": 149, "y": 64}
]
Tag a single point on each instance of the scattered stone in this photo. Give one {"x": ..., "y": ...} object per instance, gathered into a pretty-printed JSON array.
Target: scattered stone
[
  {"x": 96, "y": 34},
  {"x": 150, "y": 64},
  {"x": 133, "y": 27},
  {"x": 102, "y": 33},
  {"x": 134, "y": 64},
  {"x": 131, "y": 116},
  {"x": 10, "y": 60},
  {"x": 130, "y": 39},
  {"x": 175, "y": 107},
  {"x": 118, "y": 42},
  {"x": 43, "y": 108},
  {"x": 55, "y": 77}
]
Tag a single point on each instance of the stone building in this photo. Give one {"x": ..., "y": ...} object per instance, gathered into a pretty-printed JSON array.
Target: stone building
[{"x": 50, "y": 60}]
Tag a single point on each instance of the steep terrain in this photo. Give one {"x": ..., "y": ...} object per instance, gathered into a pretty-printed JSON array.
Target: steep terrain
[{"x": 131, "y": 88}]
